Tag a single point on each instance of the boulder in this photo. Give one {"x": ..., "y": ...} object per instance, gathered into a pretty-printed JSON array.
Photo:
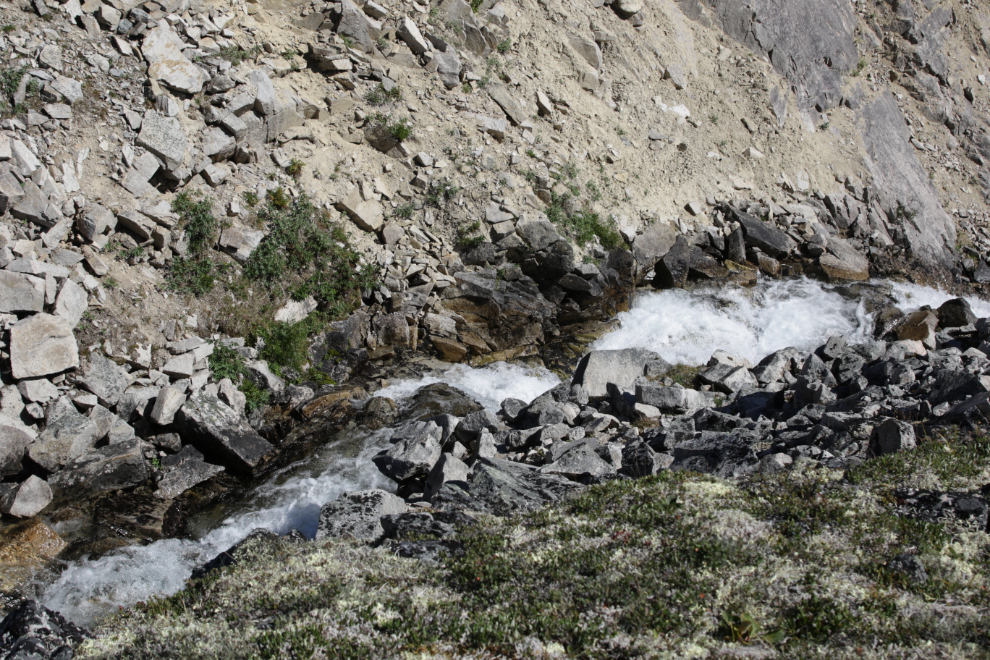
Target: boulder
[
  {"x": 760, "y": 235},
  {"x": 222, "y": 434},
  {"x": 727, "y": 378},
  {"x": 955, "y": 313},
  {"x": 891, "y": 436},
  {"x": 919, "y": 326},
  {"x": 357, "y": 515},
  {"x": 670, "y": 399},
  {"x": 67, "y": 436},
  {"x": 21, "y": 293},
  {"x": 28, "y": 499},
  {"x": 415, "y": 452},
  {"x": 163, "y": 136},
  {"x": 41, "y": 345},
  {"x": 448, "y": 468},
  {"x": 354, "y": 24},
  {"x": 108, "y": 468},
  {"x": 162, "y": 48},
  {"x": 502, "y": 487},
  {"x": 168, "y": 402},
  {"x": 182, "y": 471},
  {"x": 13, "y": 443},
  {"x": 368, "y": 215},
  {"x": 622, "y": 367},
  {"x": 652, "y": 245},
  {"x": 639, "y": 459},
  {"x": 672, "y": 269},
  {"x": 71, "y": 303},
  {"x": 580, "y": 462},
  {"x": 105, "y": 379},
  {"x": 31, "y": 631},
  {"x": 726, "y": 455}
]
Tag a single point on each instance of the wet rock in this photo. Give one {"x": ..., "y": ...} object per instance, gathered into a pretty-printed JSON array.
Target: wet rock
[
  {"x": 229, "y": 557},
  {"x": 955, "y": 313},
  {"x": 33, "y": 632},
  {"x": 222, "y": 434},
  {"x": 358, "y": 515},
  {"x": 672, "y": 269},
  {"x": 182, "y": 471},
  {"x": 622, "y": 367},
  {"x": 26, "y": 499},
  {"x": 416, "y": 450},
  {"x": 108, "y": 468},
  {"x": 473, "y": 424},
  {"x": 41, "y": 345},
  {"x": 919, "y": 326}
]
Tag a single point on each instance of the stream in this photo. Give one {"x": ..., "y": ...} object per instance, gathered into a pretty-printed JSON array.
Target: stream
[{"x": 682, "y": 326}]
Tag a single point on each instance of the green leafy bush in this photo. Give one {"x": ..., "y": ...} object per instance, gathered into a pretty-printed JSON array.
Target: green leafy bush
[
  {"x": 304, "y": 254},
  {"x": 195, "y": 273},
  {"x": 381, "y": 96}
]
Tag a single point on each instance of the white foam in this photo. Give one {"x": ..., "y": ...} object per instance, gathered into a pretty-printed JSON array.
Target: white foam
[
  {"x": 912, "y": 296},
  {"x": 90, "y": 588},
  {"x": 489, "y": 385},
  {"x": 686, "y": 327}
]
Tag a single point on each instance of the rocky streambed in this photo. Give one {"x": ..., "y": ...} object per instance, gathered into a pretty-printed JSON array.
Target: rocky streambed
[{"x": 730, "y": 382}]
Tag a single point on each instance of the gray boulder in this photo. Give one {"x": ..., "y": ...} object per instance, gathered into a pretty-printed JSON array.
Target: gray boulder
[
  {"x": 502, "y": 487},
  {"x": 182, "y": 471},
  {"x": 222, "y": 434},
  {"x": 891, "y": 436},
  {"x": 670, "y": 399},
  {"x": 27, "y": 499},
  {"x": 448, "y": 468},
  {"x": 358, "y": 515},
  {"x": 21, "y": 293},
  {"x": 13, "y": 443},
  {"x": 41, "y": 345},
  {"x": 32, "y": 632},
  {"x": 622, "y": 367},
  {"x": 415, "y": 452},
  {"x": 725, "y": 455},
  {"x": 67, "y": 436},
  {"x": 579, "y": 463},
  {"x": 105, "y": 379},
  {"x": 104, "y": 469}
]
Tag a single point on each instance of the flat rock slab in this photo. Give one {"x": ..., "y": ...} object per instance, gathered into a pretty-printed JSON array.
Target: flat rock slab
[
  {"x": 503, "y": 487},
  {"x": 222, "y": 434},
  {"x": 599, "y": 368},
  {"x": 105, "y": 469},
  {"x": 107, "y": 380},
  {"x": 182, "y": 471},
  {"x": 163, "y": 136},
  {"x": 41, "y": 345},
  {"x": 20, "y": 292}
]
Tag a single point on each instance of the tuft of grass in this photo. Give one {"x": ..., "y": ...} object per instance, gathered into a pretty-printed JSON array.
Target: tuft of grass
[
  {"x": 583, "y": 225},
  {"x": 251, "y": 197},
  {"x": 196, "y": 273},
  {"x": 110, "y": 282},
  {"x": 713, "y": 119},
  {"x": 295, "y": 168},
  {"x": 196, "y": 217},
  {"x": 467, "y": 238},
  {"x": 235, "y": 54},
  {"x": 226, "y": 363},
  {"x": 859, "y": 67},
  {"x": 504, "y": 46},
  {"x": 381, "y": 96},
  {"x": 401, "y": 129},
  {"x": 405, "y": 211}
]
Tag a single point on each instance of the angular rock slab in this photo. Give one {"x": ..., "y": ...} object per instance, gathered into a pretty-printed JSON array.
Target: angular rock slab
[
  {"x": 182, "y": 471},
  {"x": 41, "y": 345},
  {"x": 415, "y": 452},
  {"x": 503, "y": 487},
  {"x": 358, "y": 515},
  {"x": 105, "y": 379},
  {"x": 105, "y": 469},
  {"x": 222, "y": 434},
  {"x": 28, "y": 499}
]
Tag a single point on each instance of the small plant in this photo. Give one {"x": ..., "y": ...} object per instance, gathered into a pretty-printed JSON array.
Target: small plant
[
  {"x": 196, "y": 217},
  {"x": 621, "y": 131},
  {"x": 251, "y": 198},
  {"x": 382, "y": 43},
  {"x": 278, "y": 198},
  {"x": 235, "y": 54},
  {"x": 441, "y": 193},
  {"x": 289, "y": 53},
  {"x": 713, "y": 119},
  {"x": 7, "y": 29},
  {"x": 859, "y": 67},
  {"x": 381, "y": 96},
  {"x": 531, "y": 153},
  {"x": 109, "y": 282},
  {"x": 156, "y": 463},
  {"x": 405, "y": 211},
  {"x": 476, "y": 5},
  {"x": 504, "y": 46},
  {"x": 593, "y": 191},
  {"x": 256, "y": 397},
  {"x": 466, "y": 88},
  {"x": 466, "y": 237},
  {"x": 723, "y": 144},
  {"x": 401, "y": 129},
  {"x": 348, "y": 42},
  {"x": 571, "y": 170},
  {"x": 824, "y": 126},
  {"x": 295, "y": 168},
  {"x": 226, "y": 363}
]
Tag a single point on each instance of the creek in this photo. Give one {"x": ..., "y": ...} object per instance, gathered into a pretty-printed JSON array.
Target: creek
[{"x": 682, "y": 326}]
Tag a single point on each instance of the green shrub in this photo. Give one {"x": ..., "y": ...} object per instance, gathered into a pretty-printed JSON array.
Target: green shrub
[
  {"x": 256, "y": 397},
  {"x": 295, "y": 168},
  {"x": 466, "y": 237},
  {"x": 304, "y": 254},
  {"x": 235, "y": 54},
  {"x": 504, "y": 46},
  {"x": 583, "y": 225},
  {"x": 251, "y": 197},
  {"x": 286, "y": 345},
  {"x": 196, "y": 217},
  {"x": 194, "y": 275},
  {"x": 226, "y": 363}
]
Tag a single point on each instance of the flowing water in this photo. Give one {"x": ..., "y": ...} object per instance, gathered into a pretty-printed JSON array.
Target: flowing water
[{"x": 683, "y": 326}]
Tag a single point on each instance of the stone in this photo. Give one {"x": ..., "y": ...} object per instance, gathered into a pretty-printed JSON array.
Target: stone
[
  {"x": 13, "y": 444},
  {"x": 167, "y": 404},
  {"x": 181, "y": 366},
  {"x": 30, "y": 631},
  {"x": 627, "y": 8},
  {"x": 955, "y": 313},
  {"x": 39, "y": 391},
  {"x": 357, "y": 515},
  {"x": 108, "y": 468},
  {"x": 261, "y": 375},
  {"x": 760, "y": 235},
  {"x": 50, "y": 57},
  {"x": 836, "y": 269},
  {"x": 28, "y": 499},
  {"x": 891, "y": 436},
  {"x": 515, "y": 113},
  {"x": 672, "y": 270},
  {"x": 163, "y": 136},
  {"x": 71, "y": 303},
  {"x": 639, "y": 459},
  {"x": 354, "y": 25},
  {"x": 368, "y": 215},
  {"x": 448, "y": 468},
  {"x": 727, "y": 378},
  {"x": 182, "y": 471},
  {"x": 296, "y": 310},
  {"x": 240, "y": 242},
  {"x": 579, "y": 462},
  {"x": 70, "y": 89},
  {"x": 449, "y": 68},
  {"x": 667, "y": 399},
  {"x": 221, "y": 433},
  {"x": 67, "y": 436},
  {"x": 919, "y": 326},
  {"x": 21, "y": 293},
  {"x": 415, "y": 450},
  {"x": 105, "y": 379},
  {"x": 503, "y": 487},
  {"x": 162, "y": 49},
  {"x": 31, "y": 206},
  {"x": 95, "y": 221},
  {"x": 652, "y": 245},
  {"x": 622, "y": 367},
  {"x": 409, "y": 33},
  {"x": 25, "y": 159},
  {"x": 41, "y": 345}
]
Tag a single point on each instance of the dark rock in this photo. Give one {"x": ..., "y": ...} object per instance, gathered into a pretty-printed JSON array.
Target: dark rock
[
  {"x": 955, "y": 313},
  {"x": 182, "y": 471},
  {"x": 891, "y": 436},
  {"x": 735, "y": 246},
  {"x": 502, "y": 487},
  {"x": 33, "y": 632},
  {"x": 416, "y": 450},
  {"x": 651, "y": 246},
  {"x": 760, "y": 235},
  {"x": 229, "y": 557},
  {"x": 222, "y": 434},
  {"x": 108, "y": 468},
  {"x": 417, "y": 525},
  {"x": 578, "y": 463},
  {"x": 639, "y": 460},
  {"x": 908, "y": 568},
  {"x": 672, "y": 270},
  {"x": 722, "y": 454}
]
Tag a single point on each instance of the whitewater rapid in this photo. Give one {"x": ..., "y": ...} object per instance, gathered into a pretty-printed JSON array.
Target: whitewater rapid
[{"x": 682, "y": 326}]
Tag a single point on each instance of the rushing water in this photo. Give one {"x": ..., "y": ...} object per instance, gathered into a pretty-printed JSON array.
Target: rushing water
[{"x": 684, "y": 327}]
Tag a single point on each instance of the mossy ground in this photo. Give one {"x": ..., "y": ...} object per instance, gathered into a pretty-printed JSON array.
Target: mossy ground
[{"x": 675, "y": 566}]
